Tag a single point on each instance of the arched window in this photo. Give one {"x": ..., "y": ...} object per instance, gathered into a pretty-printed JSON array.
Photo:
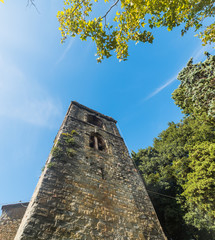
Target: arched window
[
  {"x": 97, "y": 142},
  {"x": 94, "y": 120}
]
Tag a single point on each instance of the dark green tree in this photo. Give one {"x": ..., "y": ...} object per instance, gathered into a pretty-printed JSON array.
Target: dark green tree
[
  {"x": 179, "y": 170},
  {"x": 196, "y": 93}
]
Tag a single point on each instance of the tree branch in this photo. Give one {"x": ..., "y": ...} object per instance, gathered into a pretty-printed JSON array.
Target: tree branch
[
  {"x": 77, "y": 6},
  {"x": 31, "y": 3},
  {"x": 110, "y": 9}
]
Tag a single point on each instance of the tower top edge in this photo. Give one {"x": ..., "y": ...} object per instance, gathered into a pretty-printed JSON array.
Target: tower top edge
[
  {"x": 15, "y": 205},
  {"x": 92, "y": 111}
]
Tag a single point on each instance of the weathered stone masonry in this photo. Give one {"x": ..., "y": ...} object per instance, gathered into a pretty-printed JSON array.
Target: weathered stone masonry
[
  {"x": 10, "y": 220},
  {"x": 89, "y": 188}
]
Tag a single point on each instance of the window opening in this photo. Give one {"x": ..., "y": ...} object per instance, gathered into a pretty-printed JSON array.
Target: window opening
[
  {"x": 97, "y": 142},
  {"x": 94, "y": 120}
]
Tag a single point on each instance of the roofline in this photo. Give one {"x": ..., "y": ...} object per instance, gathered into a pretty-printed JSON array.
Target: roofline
[
  {"x": 93, "y": 111},
  {"x": 14, "y": 205}
]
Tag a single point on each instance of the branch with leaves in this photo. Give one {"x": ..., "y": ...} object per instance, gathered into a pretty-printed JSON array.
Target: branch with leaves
[
  {"x": 110, "y": 9},
  {"x": 134, "y": 21}
]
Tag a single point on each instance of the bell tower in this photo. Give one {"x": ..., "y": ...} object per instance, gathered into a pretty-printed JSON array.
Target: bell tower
[{"x": 89, "y": 188}]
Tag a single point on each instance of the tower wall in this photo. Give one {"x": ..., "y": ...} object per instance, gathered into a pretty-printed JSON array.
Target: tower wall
[
  {"x": 10, "y": 220},
  {"x": 89, "y": 188}
]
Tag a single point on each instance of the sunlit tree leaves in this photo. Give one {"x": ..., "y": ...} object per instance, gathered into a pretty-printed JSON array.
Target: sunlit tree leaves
[{"x": 132, "y": 20}]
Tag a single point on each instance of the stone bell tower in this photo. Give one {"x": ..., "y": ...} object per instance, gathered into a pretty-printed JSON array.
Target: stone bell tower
[{"x": 89, "y": 188}]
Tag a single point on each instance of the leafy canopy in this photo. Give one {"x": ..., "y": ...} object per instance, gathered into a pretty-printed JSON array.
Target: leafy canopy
[
  {"x": 196, "y": 93},
  {"x": 181, "y": 163},
  {"x": 133, "y": 20}
]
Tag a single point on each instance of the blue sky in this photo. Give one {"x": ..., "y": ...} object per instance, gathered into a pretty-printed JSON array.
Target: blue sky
[{"x": 39, "y": 77}]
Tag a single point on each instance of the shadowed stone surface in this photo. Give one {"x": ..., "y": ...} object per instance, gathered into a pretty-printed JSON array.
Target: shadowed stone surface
[{"x": 89, "y": 188}]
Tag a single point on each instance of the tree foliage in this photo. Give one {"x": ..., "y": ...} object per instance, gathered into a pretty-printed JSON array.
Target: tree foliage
[
  {"x": 181, "y": 163},
  {"x": 133, "y": 20},
  {"x": 196, "y": 91},
  {"x": 199, "y": 186}
]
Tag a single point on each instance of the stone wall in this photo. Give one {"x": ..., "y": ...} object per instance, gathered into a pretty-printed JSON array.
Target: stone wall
[
  {"x": 10, "y": 220},
  {"x": 90, "y": 188}
]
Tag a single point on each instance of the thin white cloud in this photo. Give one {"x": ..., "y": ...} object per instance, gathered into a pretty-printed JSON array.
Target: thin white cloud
[
  {"x": 25, "y": 100},
  {"x": 65, "y": 51},
  {"x": 159, "y": 89},
  {"x": 197, "y": 55}
]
